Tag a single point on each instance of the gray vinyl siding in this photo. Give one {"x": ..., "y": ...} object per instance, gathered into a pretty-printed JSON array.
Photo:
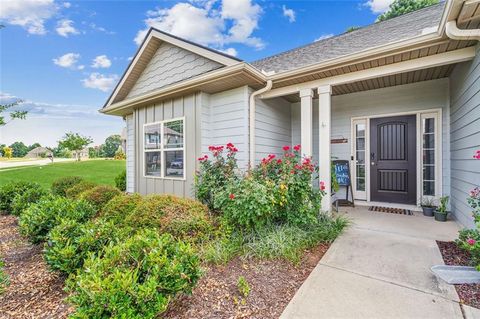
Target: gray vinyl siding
[
  {"x": 187, "y": 107},
  {"x": 464, "y": 136},
  {"x": 404, "y": 98},
  {"x": 130, "y": 153},
  {"x": 170, "y": 64}
]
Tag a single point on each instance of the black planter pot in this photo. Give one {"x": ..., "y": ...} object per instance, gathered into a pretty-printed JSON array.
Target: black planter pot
[
  {"x": 441, "y": 217},
  {"x": 428, "y": 211}
]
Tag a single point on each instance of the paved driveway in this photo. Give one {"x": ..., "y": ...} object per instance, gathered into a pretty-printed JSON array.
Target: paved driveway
[{"x": 380, "y": 268}]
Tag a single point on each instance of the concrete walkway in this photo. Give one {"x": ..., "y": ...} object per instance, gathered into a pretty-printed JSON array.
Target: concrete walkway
[
  {"x": 38, "y": 162},
  {"x": 380, "y": 268}
]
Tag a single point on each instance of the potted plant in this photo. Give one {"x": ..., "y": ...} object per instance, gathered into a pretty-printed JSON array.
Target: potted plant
[
  {"x": 428, "y": 206},
  {"x": 441, "y": 211}
]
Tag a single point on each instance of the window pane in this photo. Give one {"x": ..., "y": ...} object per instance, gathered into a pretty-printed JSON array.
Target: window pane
[
  {"x": 429, "y": 141},
  {"x": 428, "y": 125},
  {"x": 429, "y": 157},
  {"x": 361, "y": 157},
  {"x": 152, "y": 163},
  {"x": 360, "y": 143},
  {"x": 173, "y": 134},
  {"x": 429, "y": 188},
  {"x": 360, "y": 184},
  {"x": 361, "y": 171},
  {"x": 360, "y": 130},
  {"x": 429, "y": 173},
  {"x": 174, "y": 163},
  {"x": 152, "y": 136}
]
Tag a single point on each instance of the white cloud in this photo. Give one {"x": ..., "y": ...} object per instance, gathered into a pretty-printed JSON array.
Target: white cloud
[
  {"x": 101, "y": 61},
  {"x": 230, "y": 51},
  {"x": 29, "y": 14},
  {"x": 208, "y": 22},
  {"x": 67, "y": 4},
  {"x": 378, "y": 6},
  {"x": 100, "y": 29},
  {"x": 324, "y": 36},
  {"x": 68, "y": 60},
  {"x": 289, "y": 13},
  {"x": 65, "y": 27},
  {"x": 101, "y": 82}
]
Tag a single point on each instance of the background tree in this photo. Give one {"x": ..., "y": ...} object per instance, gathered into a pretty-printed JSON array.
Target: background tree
[
  {"x": 111, "y": 145},
  {"x": 19, "y": 149},
  {"x": 7, "y": 152},
  {"x": 1, "y": 149},
  {"x": 61, "y": 152},
  {"x": 399, "y": 7},
  {"x": 34, "y": 145},
  {"x": 13, "y": 114},
  {"x": 352, "y": 28},
  {"x": 75, "y": 143}
]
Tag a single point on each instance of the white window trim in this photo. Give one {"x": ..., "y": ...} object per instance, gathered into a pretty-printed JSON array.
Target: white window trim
[
  {"x": 360, "y": 195},
  {"x": 162, "y": 151},
  {"x": 437, "y": 113}
]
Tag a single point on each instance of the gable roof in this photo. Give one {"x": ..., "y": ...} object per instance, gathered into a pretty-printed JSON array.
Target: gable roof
[
  {"x": 399, "y": 28},
  {"x": 147, "y": 49}
]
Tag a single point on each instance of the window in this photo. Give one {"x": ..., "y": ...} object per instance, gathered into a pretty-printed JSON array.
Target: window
[
  {"x": 360, "y": 156},
  {"x": 428, "y": 155},
  {"x": 164, "y": 149}
]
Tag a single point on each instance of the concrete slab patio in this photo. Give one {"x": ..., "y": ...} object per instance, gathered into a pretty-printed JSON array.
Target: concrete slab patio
[{"x": 380, "y": 268}]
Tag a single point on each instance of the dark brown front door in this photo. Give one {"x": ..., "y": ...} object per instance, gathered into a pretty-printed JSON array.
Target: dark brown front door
[{"x": 393, "y": 159}]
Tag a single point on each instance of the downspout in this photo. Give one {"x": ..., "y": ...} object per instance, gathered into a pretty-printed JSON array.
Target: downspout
[
  {"x": 252, "y": 110},
  {"x": 454, "y": 33}
]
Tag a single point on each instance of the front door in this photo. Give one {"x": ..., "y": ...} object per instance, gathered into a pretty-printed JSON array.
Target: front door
[{"x": 393, "y": 159}]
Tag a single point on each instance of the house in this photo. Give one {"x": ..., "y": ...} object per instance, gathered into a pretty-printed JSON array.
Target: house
[
  {"x": 39, "y": 152},
  {"x": 82, "y": 154},
  {"x": 399, "y": 99}
]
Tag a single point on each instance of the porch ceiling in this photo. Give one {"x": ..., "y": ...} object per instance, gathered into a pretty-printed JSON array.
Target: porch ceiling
[{"x": 386, "y": 81}]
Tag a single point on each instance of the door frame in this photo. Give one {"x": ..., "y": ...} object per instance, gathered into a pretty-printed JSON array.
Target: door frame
[{"x": 420, "y": 114}]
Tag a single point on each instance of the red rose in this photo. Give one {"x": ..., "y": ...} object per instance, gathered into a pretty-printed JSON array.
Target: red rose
[
  {"x": 279, "y": 161},
  {"x": 297, "y": 147},
  {"x": 231, "y": 196},
  {"x": 286, "y": 148}
]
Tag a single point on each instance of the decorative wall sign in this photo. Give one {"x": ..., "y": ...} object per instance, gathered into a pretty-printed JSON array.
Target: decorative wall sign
[{"x": 339, "y": 140}]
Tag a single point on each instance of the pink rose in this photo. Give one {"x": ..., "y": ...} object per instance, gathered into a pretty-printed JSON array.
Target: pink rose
[{"x": 471, "y": 241}]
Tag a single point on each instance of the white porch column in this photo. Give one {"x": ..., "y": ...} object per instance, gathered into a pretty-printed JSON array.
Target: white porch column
[
  {"x": 324, "y": 130},
  {"x": 306, "y": 121}
]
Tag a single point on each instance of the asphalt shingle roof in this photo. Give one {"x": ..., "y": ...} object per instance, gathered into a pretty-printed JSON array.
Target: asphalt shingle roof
[{"x": 400, "y": 28}]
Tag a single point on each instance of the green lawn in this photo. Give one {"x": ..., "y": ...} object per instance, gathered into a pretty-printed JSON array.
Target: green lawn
[{"x": 98, "y": 171}]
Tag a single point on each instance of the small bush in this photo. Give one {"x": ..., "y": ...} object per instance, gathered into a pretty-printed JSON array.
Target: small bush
[
  {"x": 4, "y": 280},
  {"x": 9, "y": 190},
  {"x": 134, "y": 279},
  {"x": 60, "y": 186},
  {"x": 22, "y": 201},
  {"x": 117, "y": 209},
  {"x": 183, "y": 218},
  {"x": 100, "y": 195},
  {"x": 75, "y": 191},
  {"x": 38, "y": 219},
  {"x": 121, "y": 181},
  {"x": 243, "y": 286},
  {"x": 70, "y": 242}
]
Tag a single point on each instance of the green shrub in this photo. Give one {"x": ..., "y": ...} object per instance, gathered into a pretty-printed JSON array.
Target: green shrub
[
  {"x": 117, "y": 209},
  {"x": 4, "y": 280},
  {"x": 69, "y": 243},
  {"x": 77, "y": 189},
  {"x": 121, "y": 181},
  {"x": 134, "y": 279},
  {"x": 9, "y": 190},
  {"x": 100, "y": 195},
  {"x": 22, "y": 201},
  {"x": 183, "y": 218},
  {"x": 38, "y": 219},
  {"x": 243, "y": 286},
  {"x": 60, "y": 186}
]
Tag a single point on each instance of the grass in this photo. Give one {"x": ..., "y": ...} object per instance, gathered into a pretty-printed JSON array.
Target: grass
[
  {"x": 97, "y": 171},
  {"x": 4, "y": 281}
]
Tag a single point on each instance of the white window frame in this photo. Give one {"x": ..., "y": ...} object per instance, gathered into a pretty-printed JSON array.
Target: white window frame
[
  {"x": 360, "y": 195},
  {"x": 437, "y": 156},
  {"x": 163, "y": 150}
]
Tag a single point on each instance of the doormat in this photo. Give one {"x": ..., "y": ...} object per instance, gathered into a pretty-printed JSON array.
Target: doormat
[{"x": 391, "y": 210}]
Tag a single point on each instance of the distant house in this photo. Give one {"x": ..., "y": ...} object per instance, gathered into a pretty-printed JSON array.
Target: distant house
[
  {"x": 39, "y": 152},
  {"x": 83, "y": 154}
]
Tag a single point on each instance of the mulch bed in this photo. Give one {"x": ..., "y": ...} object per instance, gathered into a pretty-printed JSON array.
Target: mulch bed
[
  {"x": 34, "y": 291},
  {"x": 455, "y": 256},
  {"x": 272, "y": 282}
]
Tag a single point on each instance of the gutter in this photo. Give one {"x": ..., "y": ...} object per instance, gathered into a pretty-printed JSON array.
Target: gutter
[
  {"x": 453, "y": 32},
  {"x": 252, "y": 109}
]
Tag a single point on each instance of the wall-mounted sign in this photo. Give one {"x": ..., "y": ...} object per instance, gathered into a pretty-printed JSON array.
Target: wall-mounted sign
[{"x": 339, "y": 140}]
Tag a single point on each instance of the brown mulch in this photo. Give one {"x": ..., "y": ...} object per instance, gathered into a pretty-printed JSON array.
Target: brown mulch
[
  {"x": 453, "y": 255},
  {"x": 272, "y": 284},
  {"x": 34, "y": 291}
]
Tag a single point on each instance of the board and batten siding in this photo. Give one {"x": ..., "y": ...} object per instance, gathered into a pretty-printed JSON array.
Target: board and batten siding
[
  {"x": 170, "y": 64},
  {"x": 464, "y": 136},
  {"x": 187, "y": 107},
  {"x": 130, "y": 153},
  {"x": 403, "y": 98}
]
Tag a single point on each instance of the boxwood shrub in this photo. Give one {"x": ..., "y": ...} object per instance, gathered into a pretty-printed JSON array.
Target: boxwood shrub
[
  {"x": 121, "y": 181},
  {"x": 117, "y": 209},
  {"x": 184, "y": 218},
  {"x": 38, "y": 219},
  {"x": 134, "y": 279},
  {"x": 60, "y": 185},
  {"x": 76, "y": 190},
  {"x": 100, "y": 195},
  {"x": 22, "y": 201},
  {"x": 9, "y": 190}
]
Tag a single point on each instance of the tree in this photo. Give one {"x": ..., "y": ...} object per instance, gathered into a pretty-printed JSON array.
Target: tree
[
  {"x": 19, "y": 149},
  {"x": 34, "y": 145},
  {"x": 352, "y": 28},
  {"x": 399, "y": 7},
  {"x": 74, "y": 142},
  {"x": 111, "y": 145},
  {"x": 13, "y": 114},
  {"x": 7, "y": 152}
]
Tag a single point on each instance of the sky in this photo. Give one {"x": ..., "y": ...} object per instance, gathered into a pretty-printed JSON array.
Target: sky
[{"x": 63, "y": 58}]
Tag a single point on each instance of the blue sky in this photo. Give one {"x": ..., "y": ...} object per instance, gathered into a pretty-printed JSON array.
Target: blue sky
[{"x": 64, "y": 57}]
